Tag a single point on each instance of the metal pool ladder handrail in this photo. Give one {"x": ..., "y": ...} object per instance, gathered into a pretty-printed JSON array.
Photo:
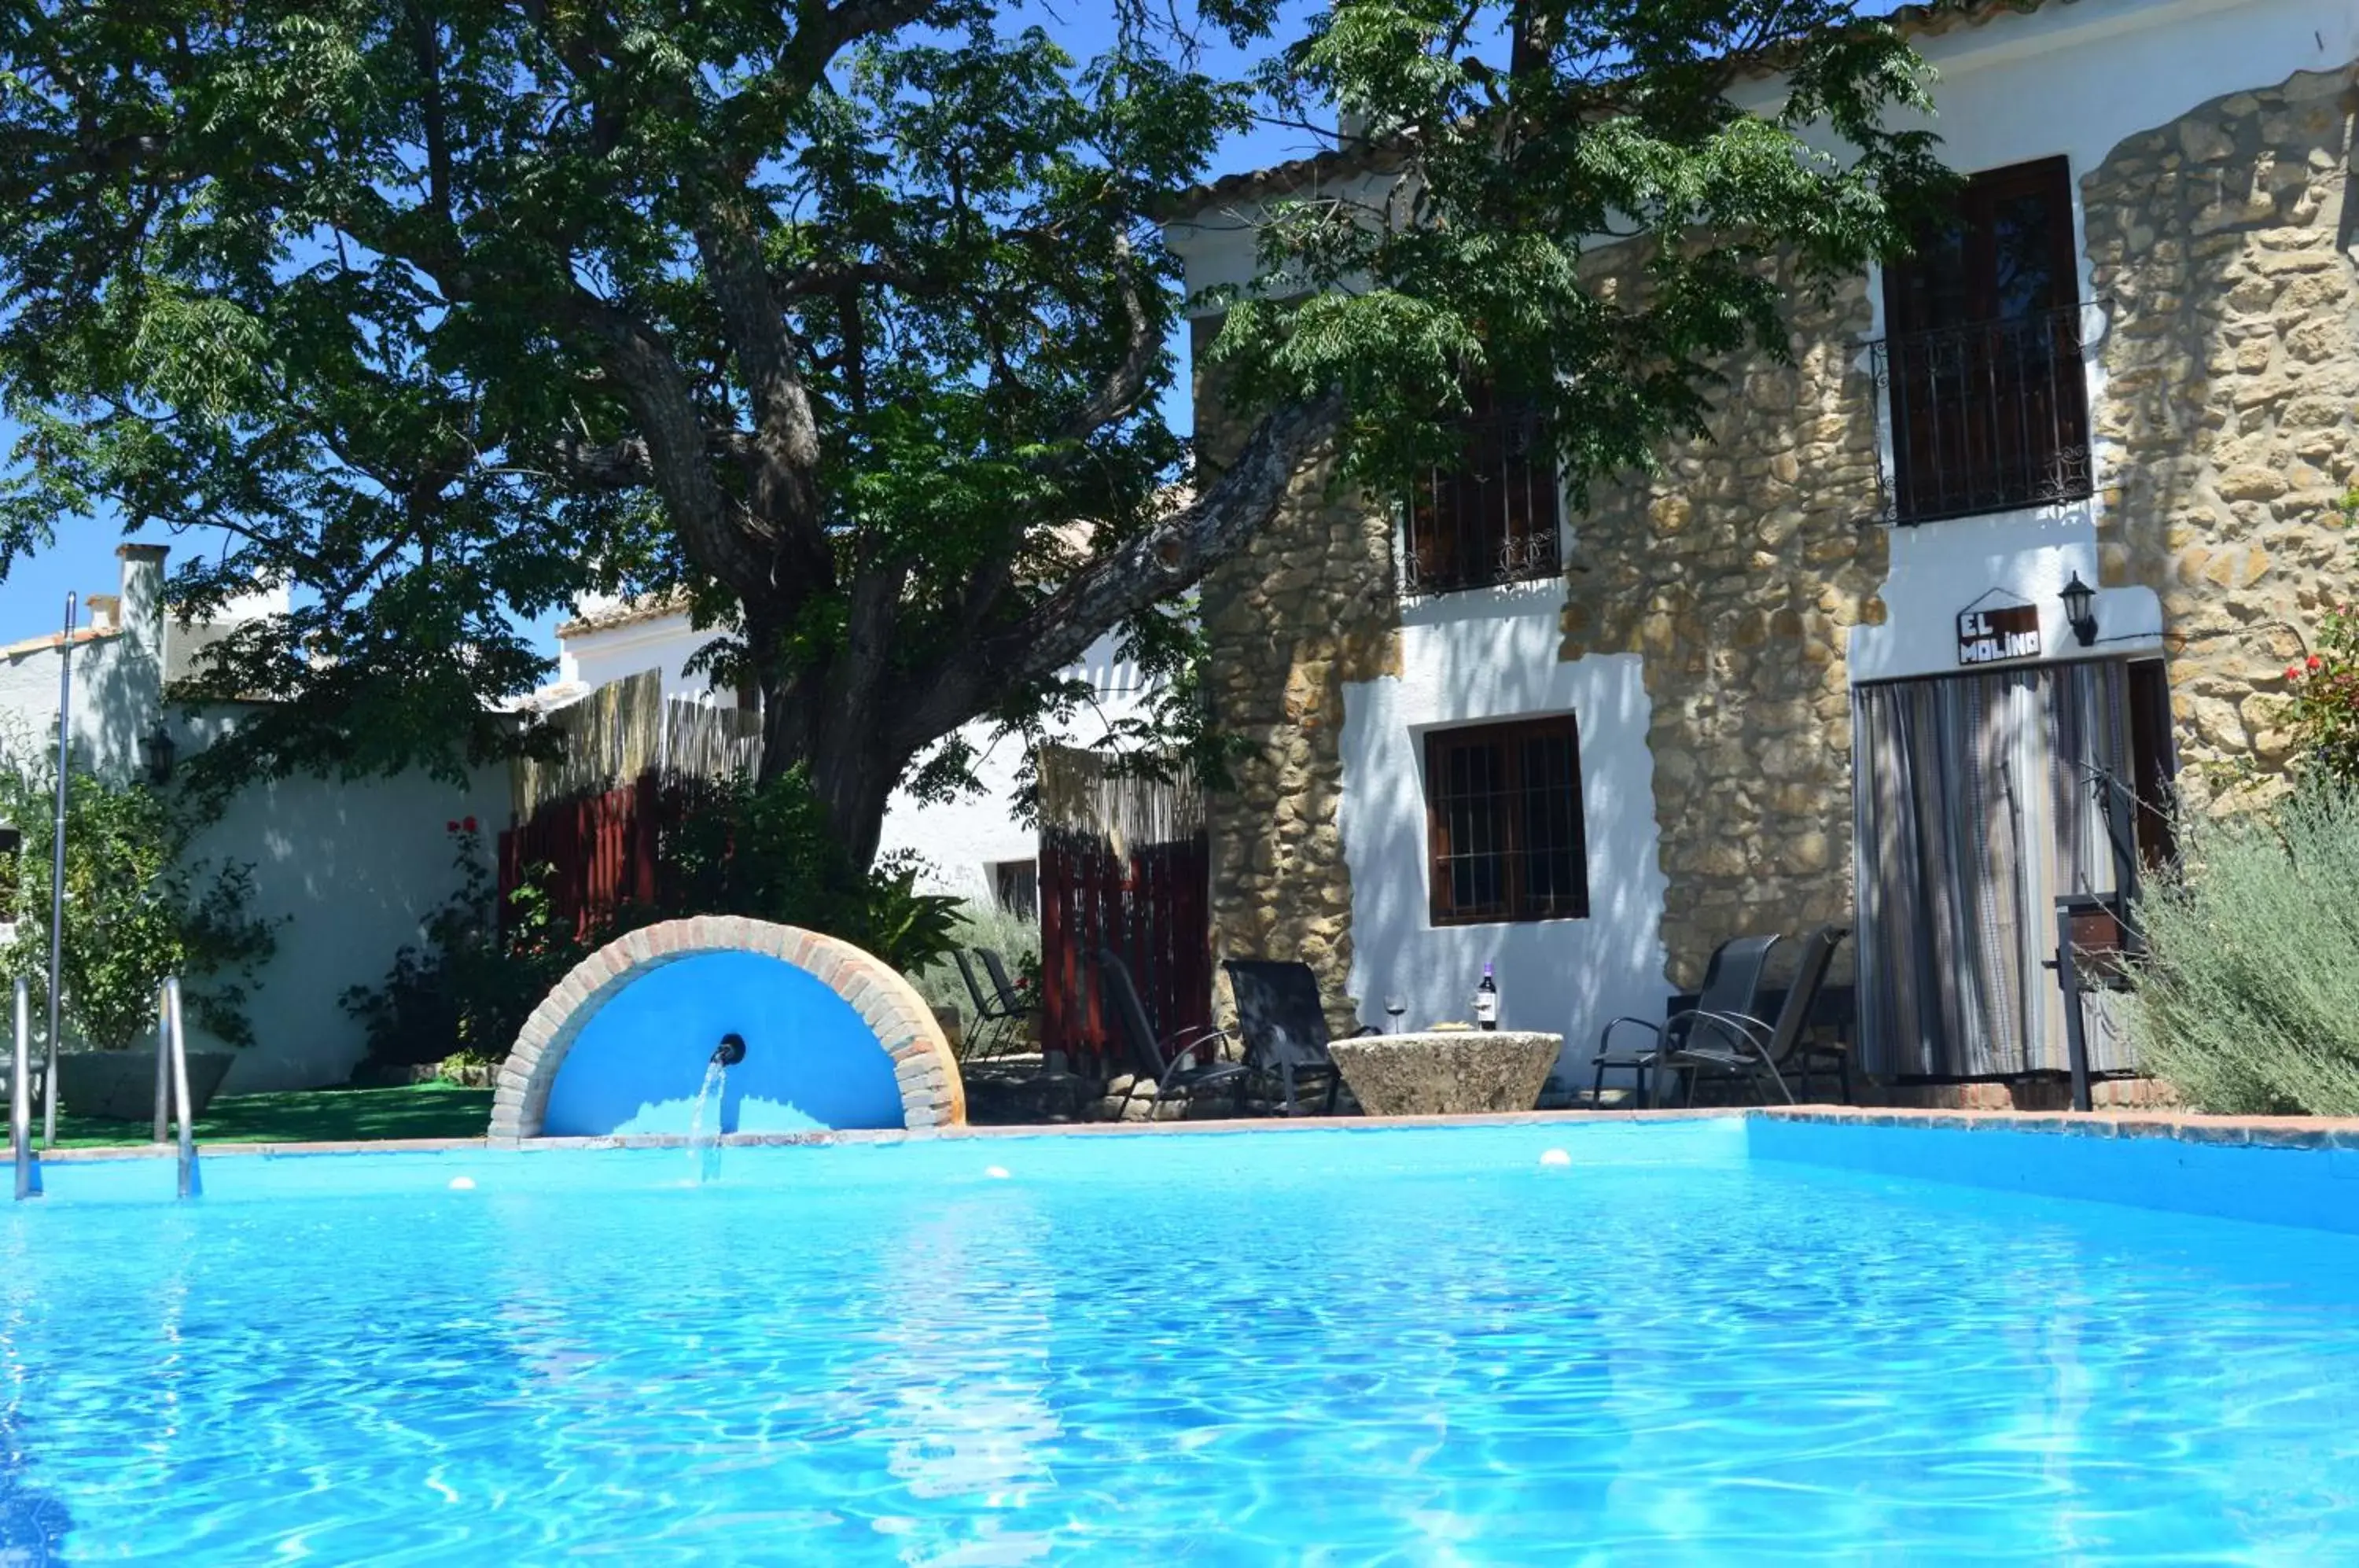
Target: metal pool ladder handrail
[
  {"x": 172, "y": 1048},
  {"x": 20, "y": 1100}
]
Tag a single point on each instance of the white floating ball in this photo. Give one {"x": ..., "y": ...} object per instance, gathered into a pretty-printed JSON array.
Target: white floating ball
[
  {"x": 996, "y": 1172},
  {"x": 462, "y": 1184},
  {"x": 1556, "y": 1156}
]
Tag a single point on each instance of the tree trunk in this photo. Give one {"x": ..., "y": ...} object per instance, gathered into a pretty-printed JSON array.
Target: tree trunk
[{"x": 851, "y": 772}]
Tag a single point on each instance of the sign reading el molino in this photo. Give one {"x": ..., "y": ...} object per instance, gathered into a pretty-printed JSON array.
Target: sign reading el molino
[{"x": 1991, "y": 633}]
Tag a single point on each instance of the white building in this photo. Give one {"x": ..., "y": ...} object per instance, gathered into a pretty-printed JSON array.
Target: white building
[{"x": 346, "y": 871}]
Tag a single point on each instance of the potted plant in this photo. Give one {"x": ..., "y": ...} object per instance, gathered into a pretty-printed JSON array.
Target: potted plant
[{"x": 139, "y": 909}]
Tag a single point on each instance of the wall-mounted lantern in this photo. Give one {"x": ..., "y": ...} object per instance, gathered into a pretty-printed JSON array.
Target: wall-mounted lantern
[
  {"x": 2080, "y": 610},
  {"x": 157, "y": 751}
]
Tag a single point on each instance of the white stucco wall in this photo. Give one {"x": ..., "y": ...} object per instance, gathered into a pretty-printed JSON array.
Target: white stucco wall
[
  {"x": 347, "y": 871},
  {"x": 1474, "y": 657},
  {"x": 2073, "y": 77},
  {"x": 117, "y": 679},
  {"x": 1937, "y": 569},
  {"x": 663, "y": 643},
  {"x": 960, "y": 838}
]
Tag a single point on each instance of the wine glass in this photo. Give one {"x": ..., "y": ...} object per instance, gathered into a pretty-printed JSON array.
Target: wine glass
[{"x": 1396, "y": 1004}]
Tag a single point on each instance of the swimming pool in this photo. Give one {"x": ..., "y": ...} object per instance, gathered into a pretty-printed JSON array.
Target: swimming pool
[{"x": 1683, "y": 1341}]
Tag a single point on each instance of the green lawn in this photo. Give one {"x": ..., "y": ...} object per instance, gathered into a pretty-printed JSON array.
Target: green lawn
[{"x": 311, "y": 1115}]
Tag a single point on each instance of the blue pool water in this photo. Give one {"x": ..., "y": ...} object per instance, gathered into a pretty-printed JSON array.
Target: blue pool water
[{"x": 1411, "y": 1347}]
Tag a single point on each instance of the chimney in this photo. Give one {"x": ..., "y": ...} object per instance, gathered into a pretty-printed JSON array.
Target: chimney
[
  {"x": 141, "y": 612},
  {"x": 105, "y": 611}
]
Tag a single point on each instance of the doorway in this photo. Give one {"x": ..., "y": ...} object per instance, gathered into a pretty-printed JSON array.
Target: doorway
[{"x": 1977, "y": 802}]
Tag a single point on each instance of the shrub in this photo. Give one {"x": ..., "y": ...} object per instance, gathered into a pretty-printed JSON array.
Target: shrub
[
  {"x": 2248, "y": 1001},
  {"x": 138, "y": 908},
  {"x": 468, "y": 988}
]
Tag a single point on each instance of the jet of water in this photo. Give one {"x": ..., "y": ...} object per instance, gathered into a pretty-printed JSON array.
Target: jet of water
[{"x": 704, "y": 1125}]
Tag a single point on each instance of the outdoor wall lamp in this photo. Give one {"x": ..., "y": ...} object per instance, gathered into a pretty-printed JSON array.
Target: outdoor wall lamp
[
  {"x": 159, "y": 750},
  {"x": 2080, "y": 609}
]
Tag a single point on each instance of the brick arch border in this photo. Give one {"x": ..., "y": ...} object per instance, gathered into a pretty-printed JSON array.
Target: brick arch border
[{"x": 932, "y": 1095}]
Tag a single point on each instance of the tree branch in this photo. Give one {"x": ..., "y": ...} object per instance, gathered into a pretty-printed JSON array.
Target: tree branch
[
  {"x": 1119, "y": 395},
  {"x": 1142, "y": 573}
]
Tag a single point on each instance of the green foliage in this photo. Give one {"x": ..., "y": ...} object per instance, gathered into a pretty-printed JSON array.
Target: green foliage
[
  {"x": 1601, "y": 124},
  {"x": 2325, "y": 686},
  {"x": 138, "y": 908},
  {"x": 2249, "y": 1000},
  {"x": 766, "y": 850},
  {"x": 469, "y": 986},
  {"x": 839, "y": 316},
  {"x": 762, "y": 851}
]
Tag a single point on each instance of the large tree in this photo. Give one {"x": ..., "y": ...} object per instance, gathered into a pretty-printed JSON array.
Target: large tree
[{"x": 840, "y": 316}]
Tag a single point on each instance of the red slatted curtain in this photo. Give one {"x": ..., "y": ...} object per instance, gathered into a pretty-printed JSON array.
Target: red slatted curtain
[
  {"x": 600, "y": 852},
  {"x": 1152, "y": 906}
]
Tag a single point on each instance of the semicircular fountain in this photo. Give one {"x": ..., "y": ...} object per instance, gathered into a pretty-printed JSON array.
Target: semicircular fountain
[{"x": 704, "y": 1027}]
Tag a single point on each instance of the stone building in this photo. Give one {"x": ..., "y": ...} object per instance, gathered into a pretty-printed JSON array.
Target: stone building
[{"x": 1825, "y": 667}]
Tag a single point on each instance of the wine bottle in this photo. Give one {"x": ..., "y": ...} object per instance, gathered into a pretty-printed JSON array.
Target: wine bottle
[{"x": 1486, "y": 1000}]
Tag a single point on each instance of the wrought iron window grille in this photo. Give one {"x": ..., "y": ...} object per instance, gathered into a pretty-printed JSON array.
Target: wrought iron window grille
[
  {"x": 1495, "y": 517},
  {"x": 1991, "y": 416}
]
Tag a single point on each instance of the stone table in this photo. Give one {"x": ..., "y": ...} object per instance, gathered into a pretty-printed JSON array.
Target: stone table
[{"x": 1442, "y": 1072}]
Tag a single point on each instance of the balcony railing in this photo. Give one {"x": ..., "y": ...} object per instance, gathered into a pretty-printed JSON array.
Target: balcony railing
[
  {"x": 1988, "y": 417},
  {"x": 1492, "y": 518}
]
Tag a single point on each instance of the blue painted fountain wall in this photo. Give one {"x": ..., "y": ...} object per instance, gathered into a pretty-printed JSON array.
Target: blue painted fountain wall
[{"x": 810, "y": 1060}]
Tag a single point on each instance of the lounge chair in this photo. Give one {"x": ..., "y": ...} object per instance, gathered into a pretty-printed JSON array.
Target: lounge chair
[
  {"x": 1732, "y": 992},
  {"x": 1771, "y": 1050},
  {"x": 1284, "y": 1024},
  {"x": 1012, "y": 1000},
  {"x": 993, "y": 1019},
  {"x": 1172, "y": 1063},
  {"x": 1793, "y": 1055}
]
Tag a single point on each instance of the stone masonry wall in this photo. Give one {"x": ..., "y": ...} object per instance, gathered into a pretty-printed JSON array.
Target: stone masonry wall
[
  {"x": 1738, "y": 572},
  {"x": 2222, "y": 246},
  {"x": 1308, "y": 606}
]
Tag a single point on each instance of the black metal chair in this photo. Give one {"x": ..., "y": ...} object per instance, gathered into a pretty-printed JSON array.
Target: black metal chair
[
  {"x": 1012, "y": 1002},
  {"x": 1793, "y": 1055},
  {"x": 1172, "y": 1063},
  {"x": 1772, "y": 1050},
  {"x": 993, "y": 1018},
  {"x": 1731, "y": 991},
  {"x": 1284, "y": 1024}
]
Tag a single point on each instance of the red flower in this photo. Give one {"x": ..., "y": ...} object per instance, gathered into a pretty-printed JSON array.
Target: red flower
[
  {"x": 449, "y": 827},
  {"x": 2316, "y": 662},
  {"x": 2293, "y": 672},
  {"x": 469, "y": 824}
]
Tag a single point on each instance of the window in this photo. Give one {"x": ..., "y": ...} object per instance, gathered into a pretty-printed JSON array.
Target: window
[
  {"x": 1983, "y": 367},
  {"x": 1015, "y": 886},
  {"x": 1503, "y": 822},
  {"x": 1493, "y": 517}
]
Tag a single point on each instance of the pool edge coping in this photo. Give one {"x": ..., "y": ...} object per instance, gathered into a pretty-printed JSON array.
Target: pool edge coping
[
  {"x": 1220, "y": 1125},
  {"x": 2265, "y": 1132}
]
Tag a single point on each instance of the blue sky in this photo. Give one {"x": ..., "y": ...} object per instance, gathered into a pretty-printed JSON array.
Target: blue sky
[{"x": 32, "y": 600}]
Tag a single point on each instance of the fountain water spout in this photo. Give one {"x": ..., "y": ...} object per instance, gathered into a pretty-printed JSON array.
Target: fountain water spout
[{"x": 705, "y": 1126}]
